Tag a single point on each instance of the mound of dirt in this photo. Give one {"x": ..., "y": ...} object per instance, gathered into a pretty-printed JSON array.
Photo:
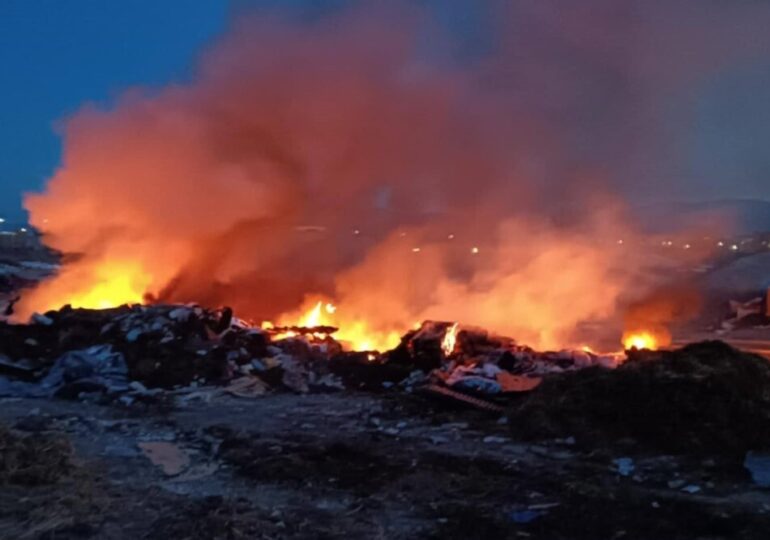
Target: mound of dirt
[
  {"x": 32, "y": 459},
  {"x": 705, "y": 397}
]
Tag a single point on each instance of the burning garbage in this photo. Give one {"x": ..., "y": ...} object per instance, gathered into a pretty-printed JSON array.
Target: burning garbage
[
  {"x": 704, "y": 395},
  {"x": 74, "y": 351}
]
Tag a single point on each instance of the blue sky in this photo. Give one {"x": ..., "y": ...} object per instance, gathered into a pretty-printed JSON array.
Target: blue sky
[{"x": 57, "y": 54}]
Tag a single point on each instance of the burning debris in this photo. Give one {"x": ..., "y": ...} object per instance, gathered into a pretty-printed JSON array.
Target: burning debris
[{"x": 140, "y": 350}]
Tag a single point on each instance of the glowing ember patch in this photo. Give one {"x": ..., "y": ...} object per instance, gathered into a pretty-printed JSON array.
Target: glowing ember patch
[
  {"x": 640, "y": 340},
  {"x": 450, "y": 339}
]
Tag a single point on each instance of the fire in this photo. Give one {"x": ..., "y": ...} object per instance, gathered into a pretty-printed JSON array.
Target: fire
[
  {"x": 207, "y": 188},
  {"x": 450, "y": 339},
  {"x": 105, "y": 285},
  {"x": 640, "y": 340},
  {"x": 355, "y": 334},
  {"x": 316, "y": 316}
]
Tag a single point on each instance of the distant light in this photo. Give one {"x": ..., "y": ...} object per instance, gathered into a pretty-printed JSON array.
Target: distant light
[
  {"x": 356, "y": 232},
  {"x": 687, "y": 246},
  {"x": 620, "y": 242},
  {"x": 474, "y": 250},
  {"x": 451, "y": 237},
  {"x": 415, "y": 250},
  {"x": 402, "y": 234},
  {"x": 23, "y": 229},
  {"x": 720, "y": 244},
  {"x": 2, "y": 220},
  {"x": 734, "y": 247}
]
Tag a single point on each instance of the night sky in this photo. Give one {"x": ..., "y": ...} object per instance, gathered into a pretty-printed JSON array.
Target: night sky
[{"x": 57, "y": 55}]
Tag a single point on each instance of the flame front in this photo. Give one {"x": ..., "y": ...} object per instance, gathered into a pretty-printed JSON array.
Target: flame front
[{"x": 640, "y": 340}]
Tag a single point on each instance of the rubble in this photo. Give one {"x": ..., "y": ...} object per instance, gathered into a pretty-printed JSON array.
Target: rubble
[
  {"x": 702, "y": 396},
  {"x": 138, "y": 349}
]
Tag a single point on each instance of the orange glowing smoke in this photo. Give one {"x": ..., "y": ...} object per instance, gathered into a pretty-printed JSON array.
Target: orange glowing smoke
[{"x": 466, "y": 197}]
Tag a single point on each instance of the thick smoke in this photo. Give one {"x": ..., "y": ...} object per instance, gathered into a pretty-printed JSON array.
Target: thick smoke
[{"x": 359, "y": 157}]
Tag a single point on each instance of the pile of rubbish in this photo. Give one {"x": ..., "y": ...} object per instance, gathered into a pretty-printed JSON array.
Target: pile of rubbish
[
  {"x": 142, "y": 351},
  {"x": 705, "y": 397},
  {"x": 474, "y": 361}
]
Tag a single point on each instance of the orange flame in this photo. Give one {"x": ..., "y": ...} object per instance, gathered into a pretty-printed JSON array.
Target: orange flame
[
  {"x": 640, "y": 340},
  {"x": 450, "y": 339},
  {"x": 106, "y": 284},
  {"x": 355, "y": 334}
]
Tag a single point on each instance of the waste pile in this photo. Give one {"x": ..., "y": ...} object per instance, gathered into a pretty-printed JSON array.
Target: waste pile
[
  {"x": 144, "y": 350},
  {"x": 475, "y": 361},
  {"x": 705, "y": 397}
]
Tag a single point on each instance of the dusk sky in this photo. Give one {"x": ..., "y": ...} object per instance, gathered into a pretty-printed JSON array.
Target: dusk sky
[{"x": 56, "y": 56}]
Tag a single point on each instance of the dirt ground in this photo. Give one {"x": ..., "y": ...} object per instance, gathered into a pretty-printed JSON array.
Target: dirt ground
[{"x": 350, "y": 465}]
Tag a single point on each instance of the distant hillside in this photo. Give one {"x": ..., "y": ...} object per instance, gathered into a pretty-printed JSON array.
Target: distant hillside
[{"x": 746, "y": 216}]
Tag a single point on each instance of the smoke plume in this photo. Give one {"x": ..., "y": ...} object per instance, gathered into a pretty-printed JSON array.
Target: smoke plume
[{"x": 363, "y": 157}]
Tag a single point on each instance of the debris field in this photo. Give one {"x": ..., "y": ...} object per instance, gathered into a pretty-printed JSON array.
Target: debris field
[{"x": 183, "y": 422}]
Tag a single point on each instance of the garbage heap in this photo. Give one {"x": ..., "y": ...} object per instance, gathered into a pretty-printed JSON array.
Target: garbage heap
[{"x": 145, "y": 350}]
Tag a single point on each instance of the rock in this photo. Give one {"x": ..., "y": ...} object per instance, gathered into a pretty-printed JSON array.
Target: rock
[
  {"x": 624, "y": 465},
  {"x": 166, "y": 455},
  {"x": 758, "y": 464}
]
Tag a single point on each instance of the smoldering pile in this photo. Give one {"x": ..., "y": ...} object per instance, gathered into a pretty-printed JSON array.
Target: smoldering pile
[{"x": 138, "y": 351}]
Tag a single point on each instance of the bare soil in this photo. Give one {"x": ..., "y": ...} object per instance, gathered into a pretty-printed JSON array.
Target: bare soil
[{"x": 350, "y": 465}]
